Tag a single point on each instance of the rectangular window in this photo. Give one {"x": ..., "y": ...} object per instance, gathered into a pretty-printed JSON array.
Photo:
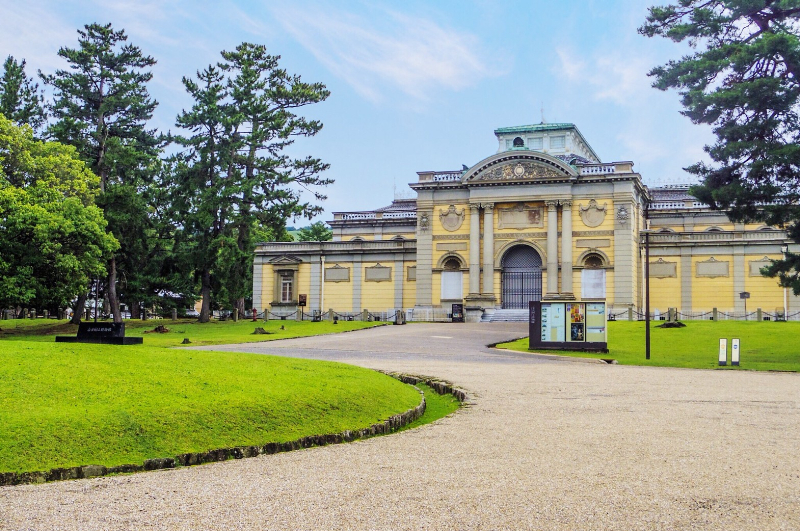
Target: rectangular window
[
  {"x": 286, "y": 289},
  {"x": 593, "y": 284},
  {"x": 558, "y": 142},
  {"x": 452, "y": 285},
  {"x": 535, "y": 143}
]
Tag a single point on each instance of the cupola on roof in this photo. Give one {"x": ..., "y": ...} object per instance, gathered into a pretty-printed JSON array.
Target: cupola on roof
[{"x": 557, "y": 139}]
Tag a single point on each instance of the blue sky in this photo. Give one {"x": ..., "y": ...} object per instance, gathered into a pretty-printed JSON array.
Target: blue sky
[{"x": 414, "y": 85}]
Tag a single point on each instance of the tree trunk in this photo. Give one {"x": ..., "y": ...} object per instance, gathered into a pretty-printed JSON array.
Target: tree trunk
[
  {"x": 78, "y": 309},
  {"x": 240, "y": 306},
  {"x": 135, "y": 309},
  {"x": 113, "y": 298},
  {"x": 205, "y": 292}
]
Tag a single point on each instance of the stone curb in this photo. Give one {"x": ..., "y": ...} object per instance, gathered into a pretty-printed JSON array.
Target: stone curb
[{"x": 389, "y": 425}]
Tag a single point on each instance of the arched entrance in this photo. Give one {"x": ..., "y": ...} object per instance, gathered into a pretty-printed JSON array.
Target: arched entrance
[{"x": 521, "y": 277}]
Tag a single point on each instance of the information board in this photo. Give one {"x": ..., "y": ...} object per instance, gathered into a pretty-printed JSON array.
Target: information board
[
  {"x": 568, "y": 325},
  {"x": 553, "y": 325},
  {"x": 595, "y": 321}
]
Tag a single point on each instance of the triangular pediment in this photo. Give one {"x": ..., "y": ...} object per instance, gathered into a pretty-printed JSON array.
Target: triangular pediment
[
  {"x": 285, "y": 259},
  {"x": 519, "y": 167}
]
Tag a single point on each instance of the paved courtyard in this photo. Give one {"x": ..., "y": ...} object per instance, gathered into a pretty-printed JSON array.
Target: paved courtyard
[{"x": 547, "y": 444}]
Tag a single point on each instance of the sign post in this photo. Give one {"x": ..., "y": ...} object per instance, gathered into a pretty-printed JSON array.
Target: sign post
[{"x": 744, "y": 295}]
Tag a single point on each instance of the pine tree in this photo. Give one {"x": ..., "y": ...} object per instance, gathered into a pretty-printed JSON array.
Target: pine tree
[
  {"x": 102, "y": 105},
  {"x": 21, "y": 101},
  {"x": 234, "y": 178},
  {"x": 743, "y": 79}
]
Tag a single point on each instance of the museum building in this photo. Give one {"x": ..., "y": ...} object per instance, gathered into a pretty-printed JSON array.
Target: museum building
[{"x": 541, "y": 219}]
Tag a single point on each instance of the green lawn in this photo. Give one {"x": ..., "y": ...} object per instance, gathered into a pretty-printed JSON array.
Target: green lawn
[
  {"x": 764, "y": 345},
  {"x": 213, "y": 333},
  {"x": 71, "y": 404}
]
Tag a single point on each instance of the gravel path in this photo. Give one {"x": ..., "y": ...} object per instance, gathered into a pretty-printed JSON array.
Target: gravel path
[{"x": 546, "y": 445}]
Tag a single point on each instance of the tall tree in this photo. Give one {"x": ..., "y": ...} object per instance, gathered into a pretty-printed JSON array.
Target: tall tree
[
  {"x": 102, "y": 107},
  {"x": 52, "y": 237},
  {"x": 21, "y": 101},
  {"x": 742, "y": 79},
  {"x": 242, "y": 121},
  {"x": 316, "y": 232}
]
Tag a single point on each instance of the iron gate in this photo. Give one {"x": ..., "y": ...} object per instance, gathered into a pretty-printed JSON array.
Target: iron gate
[{"x": 519, "y": 287}]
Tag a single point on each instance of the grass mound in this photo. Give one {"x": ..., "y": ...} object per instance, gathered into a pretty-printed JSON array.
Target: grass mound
[
  {"x": 765, "y": 346},
  {"x": 65, "y": 405}
]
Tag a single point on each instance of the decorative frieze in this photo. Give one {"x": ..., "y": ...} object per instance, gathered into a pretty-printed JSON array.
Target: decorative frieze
[
  {"x": 712, "y": 268},
  {"x": 451, "y": 236},
  {"x": 591, "y": 233}
]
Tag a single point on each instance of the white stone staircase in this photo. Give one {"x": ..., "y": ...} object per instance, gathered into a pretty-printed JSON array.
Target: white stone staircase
[{"x": 505, "y": 316}]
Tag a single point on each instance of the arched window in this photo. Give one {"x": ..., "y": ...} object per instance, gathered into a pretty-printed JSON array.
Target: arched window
[
  {"x": 518, "y": 142},
  {"x": 452, "y": 264}
]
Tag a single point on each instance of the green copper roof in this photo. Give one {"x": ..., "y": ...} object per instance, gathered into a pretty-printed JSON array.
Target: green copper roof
[
  {"x": 533, "y": 128},
  {"x": 538, "y": 128}
]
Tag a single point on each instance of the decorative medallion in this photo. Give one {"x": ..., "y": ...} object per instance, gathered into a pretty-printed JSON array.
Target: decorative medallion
[
  {"x": 518, "y": 170},
  {"x": 593, "y": 215},
  {"x": 622, "y": 214},
  {"x": 452, "y": 219},
  {"x": 424, "y": 222}
]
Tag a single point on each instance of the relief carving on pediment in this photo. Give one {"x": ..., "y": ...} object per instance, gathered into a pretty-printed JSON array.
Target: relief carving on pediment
[
  {"x": 452, "y": 218},
  {"x": 513, "y": 171},
  {"x": 593, "y": 215}
]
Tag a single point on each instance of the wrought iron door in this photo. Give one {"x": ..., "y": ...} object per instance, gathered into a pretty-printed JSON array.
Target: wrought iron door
[
  {"x": 521, "y": 278},
  {"x": 520, "y": 287}
]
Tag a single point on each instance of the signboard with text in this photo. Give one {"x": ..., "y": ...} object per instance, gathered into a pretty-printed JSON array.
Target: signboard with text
[{"x": 561, "y": 325}]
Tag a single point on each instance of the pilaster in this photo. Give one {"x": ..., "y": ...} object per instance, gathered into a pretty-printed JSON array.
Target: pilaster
[
  {"x": 552, "y": 248},
  {"x": 316, "y": 273},
  {"x": 424, "y": 258},
  {"x": 358, "y": 271},
  {"x": 488, "y": 249},
  {"x": 474, "y": 249},
  {"x": 566, "y": 248}
]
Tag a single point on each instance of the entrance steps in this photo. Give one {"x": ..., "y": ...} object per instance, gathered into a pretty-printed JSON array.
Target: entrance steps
[{"x": 504, "y": 316}]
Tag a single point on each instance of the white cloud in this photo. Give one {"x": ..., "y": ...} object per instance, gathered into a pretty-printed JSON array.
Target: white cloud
[
  {"x": 411, "y": 54},
  {"x": 617, "y": 76}
]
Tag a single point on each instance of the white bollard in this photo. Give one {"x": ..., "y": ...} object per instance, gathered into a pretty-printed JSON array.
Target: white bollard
[
  {"x": 723, "y": 351},
  {"x": 735, "y": 351}
]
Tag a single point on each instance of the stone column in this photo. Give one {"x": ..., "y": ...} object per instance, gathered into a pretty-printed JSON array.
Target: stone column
[
  {"x": 566, "y": 247},
  {"x": 488, "y": 249},
  {"x": 474, "y": 250},
  {"x": 552, "y": 247}
]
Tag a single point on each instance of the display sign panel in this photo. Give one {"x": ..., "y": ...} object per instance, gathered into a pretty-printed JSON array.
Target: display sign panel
[
  {"x": 553, "y": 326},
  {"x": 596, "y": 321}
]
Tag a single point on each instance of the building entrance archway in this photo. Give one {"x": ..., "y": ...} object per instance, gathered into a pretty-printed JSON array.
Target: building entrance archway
[{"x": 521, "y": 277}]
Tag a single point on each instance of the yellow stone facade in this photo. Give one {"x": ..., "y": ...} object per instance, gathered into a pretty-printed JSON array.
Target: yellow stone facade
[{"x": 525, "y": 224}]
